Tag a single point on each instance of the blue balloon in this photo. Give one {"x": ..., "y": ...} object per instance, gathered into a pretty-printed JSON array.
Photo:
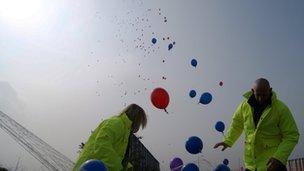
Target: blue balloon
[
  {"x": 192, "y": 93},
  {"x": 93, "y": 165},
  {"x": 222, "y": 167},
  {"x": 170, "y": 46},
  {"x": 226, "y": 162},
  {"x": 154, "y": 40},
  {"x": 220, "y": 126},
  {"x": 194, "y": 62},
  {"x": 190, "y": 167},
  {"x": 194, "y": 145},
  {"x": 206, "y": 98}
]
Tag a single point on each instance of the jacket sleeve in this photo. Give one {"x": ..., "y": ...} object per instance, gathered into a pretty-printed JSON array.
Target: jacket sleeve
[
  {"x": 103, "y": 146},
  {"x": 236, "y": 127},
  {"x": 129, "y": 167},
  {"x": 290, "y": 136}
]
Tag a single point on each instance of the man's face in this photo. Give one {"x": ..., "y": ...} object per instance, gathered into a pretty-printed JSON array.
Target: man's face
[{"x": 261, "y": 93}]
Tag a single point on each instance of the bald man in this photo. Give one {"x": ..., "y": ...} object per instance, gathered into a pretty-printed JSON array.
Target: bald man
[{"x": 270, "y": 130}]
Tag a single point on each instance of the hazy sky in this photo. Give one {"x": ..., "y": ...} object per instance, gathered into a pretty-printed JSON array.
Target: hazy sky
[{"x": 65, "y": 65}]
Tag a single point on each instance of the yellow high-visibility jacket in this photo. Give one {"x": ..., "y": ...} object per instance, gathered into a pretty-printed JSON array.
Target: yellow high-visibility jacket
[
  {"x": 275, "y": 135},
  {"x": 107, "y": 143}
]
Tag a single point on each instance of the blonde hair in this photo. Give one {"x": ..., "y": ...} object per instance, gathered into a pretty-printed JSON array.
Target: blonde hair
[{"x": 136, "y": 114}]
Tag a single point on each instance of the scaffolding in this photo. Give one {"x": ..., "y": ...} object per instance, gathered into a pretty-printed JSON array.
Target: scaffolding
[{"x": 44, "y": 153}]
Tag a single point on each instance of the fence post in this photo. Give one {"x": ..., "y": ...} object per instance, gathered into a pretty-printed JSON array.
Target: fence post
[{"x": 290, "y": 165}]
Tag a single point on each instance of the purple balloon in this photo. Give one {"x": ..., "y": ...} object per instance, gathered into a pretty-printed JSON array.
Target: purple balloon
[{"x": 176, "y": 164}]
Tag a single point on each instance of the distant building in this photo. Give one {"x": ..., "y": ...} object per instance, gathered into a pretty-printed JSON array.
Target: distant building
[{"x": 140, "y": 157}]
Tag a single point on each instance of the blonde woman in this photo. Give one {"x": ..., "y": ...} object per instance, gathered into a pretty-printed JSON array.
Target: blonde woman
[{"x": 109, "y": 141}]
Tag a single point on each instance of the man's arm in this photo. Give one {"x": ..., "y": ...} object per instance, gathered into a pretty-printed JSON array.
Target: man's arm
[
  {"x": 290, "y": 136},
  {"x": 236, "y": 127}
]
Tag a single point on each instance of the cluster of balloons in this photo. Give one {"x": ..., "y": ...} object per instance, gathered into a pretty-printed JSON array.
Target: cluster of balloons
[
  {"x": 170, "y": 46},
  {"x": 178, "y": 165},
  {"x": 205, "y": 98},
  {"x": 160, "y": 98},
  {"x": 193, "y": 145},
  {"x": 93, "y": 165}
]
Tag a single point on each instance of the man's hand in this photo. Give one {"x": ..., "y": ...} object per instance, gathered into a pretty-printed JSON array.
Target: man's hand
[
  {"x": 221, "y": 144},
  {"x": 274, "y": 165}
]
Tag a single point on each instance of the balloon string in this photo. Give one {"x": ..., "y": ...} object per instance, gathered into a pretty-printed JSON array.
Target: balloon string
[
  {"x": 207, "y": 161},
  {"x": 166, "y": 111},
  {"x": 198, "y": 161},
  {"x": 177, "y": 168},
  {"x": 223, "y": 134}
]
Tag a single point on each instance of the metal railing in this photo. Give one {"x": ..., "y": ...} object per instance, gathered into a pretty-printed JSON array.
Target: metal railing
[
  {"x": 295, "y": 164},
  {"x": 44, "y": 153},
  {"x": 140, "y": 157}
]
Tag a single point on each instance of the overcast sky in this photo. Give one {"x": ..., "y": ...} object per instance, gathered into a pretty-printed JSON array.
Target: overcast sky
[{"x": 65, "y": 65}]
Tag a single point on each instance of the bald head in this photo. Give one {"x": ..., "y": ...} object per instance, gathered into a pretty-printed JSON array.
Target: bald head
[
  {"x": 261, "y": 90},
  {"x": 262, "y": 82}
]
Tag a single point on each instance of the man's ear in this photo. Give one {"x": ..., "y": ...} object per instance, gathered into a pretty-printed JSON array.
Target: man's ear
[{"x": 252, "y": 90}]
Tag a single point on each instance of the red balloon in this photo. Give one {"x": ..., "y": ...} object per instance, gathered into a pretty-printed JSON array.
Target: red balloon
[
  {"x": 221, "y": 83},
  {"x": 160, "y": 98}
]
